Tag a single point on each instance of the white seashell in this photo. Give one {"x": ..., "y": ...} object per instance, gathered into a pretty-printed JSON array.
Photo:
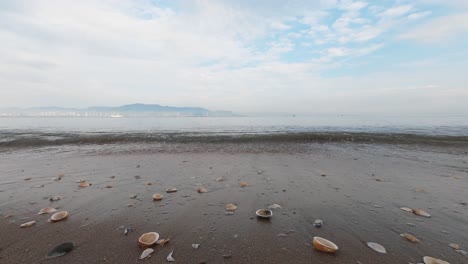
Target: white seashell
[
  {"x": 47, "y": 210},
  {"x": 376, "y": 247},
  {"x": 169, "y": 257},
  {"x": 59, "y": 216},
  {"x": 195, "y": 246},
  {"x": 407, "y": 209},
  {"x": 146, "y": 253},
  {"x": 274, "y": 206},
  {"x": 28, "y": 224},
  {"x": 431, "y": 260},
  {"x": 421, "y": 212}
]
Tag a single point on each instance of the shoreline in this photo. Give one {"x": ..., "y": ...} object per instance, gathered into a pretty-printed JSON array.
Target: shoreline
[{"x": 359, "y": 200}]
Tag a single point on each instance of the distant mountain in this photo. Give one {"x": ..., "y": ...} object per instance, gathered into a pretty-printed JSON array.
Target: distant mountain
[{"x": 131, "y": 110}]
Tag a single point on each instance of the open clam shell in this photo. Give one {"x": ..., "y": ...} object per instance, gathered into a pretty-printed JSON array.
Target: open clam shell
[
  {"x": 148, "y": 239},
  {"x": 324, "y": 245},
  {"x": 231, "y": 207},
  {"x": 264, "y": 213},
  {"x": 59, "y": 216},
  {"x": 157, "y": 197}
]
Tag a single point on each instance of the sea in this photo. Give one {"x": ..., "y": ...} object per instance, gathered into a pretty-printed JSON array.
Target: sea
[{"x": 40, "y": 131}]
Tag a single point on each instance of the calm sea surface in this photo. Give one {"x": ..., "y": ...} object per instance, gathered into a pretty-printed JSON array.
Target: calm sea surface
[{"x": 35, "y": 131}]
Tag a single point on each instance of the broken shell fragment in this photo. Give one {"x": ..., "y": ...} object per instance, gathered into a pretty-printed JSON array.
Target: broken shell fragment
[
  {"x": 27, "y": 179},
  {"x": 61, "y": 250},
  {"x": 454, "y": 246},
  {"x": 162, "y": 242},
  {"x": 274, "y": 206},
  {"x": 324, "y": 245},
  {"x": 157, "y": 197},
  {"x": 421, "y": 212},
  {"x": 431, "y": 260},
  {"x": 243, "y": 184},
  {"x": 28, "y": 224},
  {"x": 231, "y": 207},
  {"x": 407, "y": 209},
  {"x": 376, "y": 247},
  {"x": 171, "y": 190},
  {"x": 84, "y": 184},
  {"x": 169, "y": 257},
  {"x": 220, "y": 179},
  {"x": 195, "y": 246},
  {"x": 47, "y": 210},
  {"x": 148, "y": 239},
  {"x": 410, "y": 237},
  {"x": 202, "y": 190},
  {"x": 318, "y": 223},
  {"x": 59, "y": 216},
  {"x": 146, "y": 253},
  {"x": 264, "y": 213},
  {"x": 54, "y": 198}
]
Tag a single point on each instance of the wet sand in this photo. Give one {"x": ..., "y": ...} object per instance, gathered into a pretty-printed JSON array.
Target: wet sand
[{"x": 359, "y": 200}]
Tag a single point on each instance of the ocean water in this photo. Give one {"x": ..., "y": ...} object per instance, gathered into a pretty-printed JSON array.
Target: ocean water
[{"x": 28, "y": 131}]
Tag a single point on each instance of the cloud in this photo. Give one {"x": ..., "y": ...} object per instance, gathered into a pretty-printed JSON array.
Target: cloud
[
  {"x": 439, "y": 29},
  {"x": 245, "y": 56}
]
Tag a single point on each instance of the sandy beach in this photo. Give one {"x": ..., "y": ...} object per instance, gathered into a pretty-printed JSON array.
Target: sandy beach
[{"x": 356, "y": 189}]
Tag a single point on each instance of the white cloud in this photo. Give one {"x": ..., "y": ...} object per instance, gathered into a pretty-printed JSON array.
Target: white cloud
[
  {"x": 439, "y": 29},
  {"x": 216, "y": 54},
  {"x": 419, "y": 15}
]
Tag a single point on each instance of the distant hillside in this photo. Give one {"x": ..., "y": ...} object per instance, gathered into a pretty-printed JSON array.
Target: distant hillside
[{"x": 131, "y": 110}]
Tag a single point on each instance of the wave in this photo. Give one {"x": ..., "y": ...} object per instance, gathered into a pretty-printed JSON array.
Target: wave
[{"x": 40, "y": 139}]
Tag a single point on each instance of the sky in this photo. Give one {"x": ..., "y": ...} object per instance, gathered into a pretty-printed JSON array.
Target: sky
[{"x": 266, "y": 56}]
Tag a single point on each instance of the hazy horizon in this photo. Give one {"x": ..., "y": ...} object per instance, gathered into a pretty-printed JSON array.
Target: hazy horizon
[{"x": 396, "y": 57}]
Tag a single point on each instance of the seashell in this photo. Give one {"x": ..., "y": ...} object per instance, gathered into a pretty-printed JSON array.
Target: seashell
[
  {"x": 195, "y": 246},
  {"x": 59, "y": 177},
  {"x": 162, "y": 242},
  {"x": 274, "y": 206},
  {"x": 243, "y": 184},
  {"x": 407, "y": 209},
  {"x": 431, "y": 260},
  {"x": 54, "y": 198},
  {"x": 148, "y": 239},
  {"x": 61, "y": 250},
  {"x": 171, "y": 190},
  {"x": 454, "y": 246},
  {"x": 231, "y": 207},
  {"x": 264, "y": 213},
  {"x": 419, "y": 190},
  {"x": 410, "y": 237},
  {"x": 27, "y": 179},
  {"x": 421, "y": 212},
  {"x": 47, "y": 210},
  {"x": 169, "y": 257},
  {"x": 59, "y": 216},
  {"x": 324, "y": 245},
  {"x": 133, "y": 196},
  {"x": 28, "y": 224},
  {"x": 318, "y": 223},
  {"x": 220, "y": 179},
  {"x": 157, "y": 197},
  {"x": 146, "y": 253},
  {"x": 108, "y": 186},
  {"x": 84, "y": 184},
  {"x": 128, "y": 230},
  {"x": 376, "y": 247},
  {"x": 323, "y": 174},
  {"x": 202, "y": 190}
]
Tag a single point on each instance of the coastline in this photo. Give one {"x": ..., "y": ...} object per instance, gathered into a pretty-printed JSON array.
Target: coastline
[{"x": 359, "y": 200}]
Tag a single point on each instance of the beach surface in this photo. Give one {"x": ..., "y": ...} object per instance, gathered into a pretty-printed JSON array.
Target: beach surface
[{"x": 356, "y": 189}]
